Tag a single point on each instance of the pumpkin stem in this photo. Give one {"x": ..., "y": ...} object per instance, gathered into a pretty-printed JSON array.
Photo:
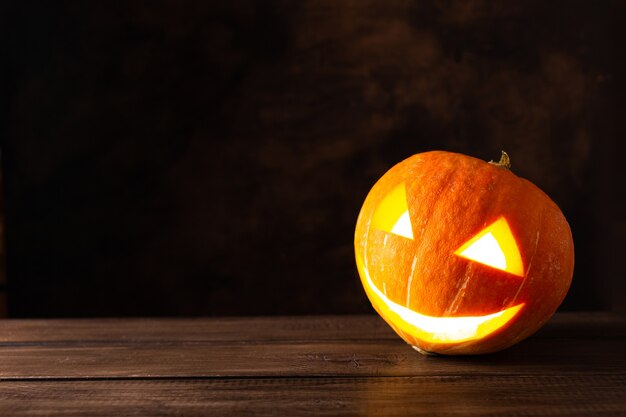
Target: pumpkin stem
[{"x": 505, "y": 161}]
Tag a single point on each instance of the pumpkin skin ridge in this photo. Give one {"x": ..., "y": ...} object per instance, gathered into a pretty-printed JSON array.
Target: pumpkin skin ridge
[{"x": 491, "y": 192}]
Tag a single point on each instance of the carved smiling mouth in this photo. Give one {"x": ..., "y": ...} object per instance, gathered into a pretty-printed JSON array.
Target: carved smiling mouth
[{"x": 431, "y": 329}]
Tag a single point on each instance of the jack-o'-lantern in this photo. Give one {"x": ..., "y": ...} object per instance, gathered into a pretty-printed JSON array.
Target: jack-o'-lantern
[{"x": 461, "y": 256}]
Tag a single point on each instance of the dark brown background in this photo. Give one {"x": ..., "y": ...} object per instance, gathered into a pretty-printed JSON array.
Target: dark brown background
[{"x": 210, "y": 158}]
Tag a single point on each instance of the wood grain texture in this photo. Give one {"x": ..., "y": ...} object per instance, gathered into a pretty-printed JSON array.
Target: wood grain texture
[
  {"x": 293, "y": 328},
  {"x": 281, "y": 347},
  {"x": 331, "y": 365},
  {"x": 421, "y": 396},
  {"x": 394, "y": 358},
  {"x": 285, "y": 360},
  {"x": 577, "y": 325}
]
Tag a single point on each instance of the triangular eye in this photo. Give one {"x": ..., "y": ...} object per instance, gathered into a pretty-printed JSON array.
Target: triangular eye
[
  {"x": 494, "y": 246},
  {"x": 392, "y": 214}
]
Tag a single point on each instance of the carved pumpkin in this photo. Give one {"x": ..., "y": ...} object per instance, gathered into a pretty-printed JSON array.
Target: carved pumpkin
[{"x": 461, "y": 256}]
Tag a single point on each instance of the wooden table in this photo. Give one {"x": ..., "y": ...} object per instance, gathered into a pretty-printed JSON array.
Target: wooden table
[{"x": 291, "y": 366}]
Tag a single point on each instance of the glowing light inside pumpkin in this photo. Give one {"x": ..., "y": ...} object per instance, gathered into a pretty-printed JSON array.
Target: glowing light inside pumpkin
[
  {"x": 392, "y": 214},
  {"x": 486, "y": 251},
  {"x": 494, "y": 246},
  {"x": 435, "y": 329},
  {"x": 403, "y": 226}
]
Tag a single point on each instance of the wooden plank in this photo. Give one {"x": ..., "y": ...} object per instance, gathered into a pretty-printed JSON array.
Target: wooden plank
[
  {"x": 238, "y": 329},
  {"x": 294, "y": 329},
  {"x": 419, "y": 396},
  {"x": 295, "y": 346},
  {"x": 366, "y": 358}
]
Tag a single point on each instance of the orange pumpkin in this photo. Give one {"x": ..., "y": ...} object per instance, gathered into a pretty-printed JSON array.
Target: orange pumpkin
[{"x": 461, "y": 256}]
